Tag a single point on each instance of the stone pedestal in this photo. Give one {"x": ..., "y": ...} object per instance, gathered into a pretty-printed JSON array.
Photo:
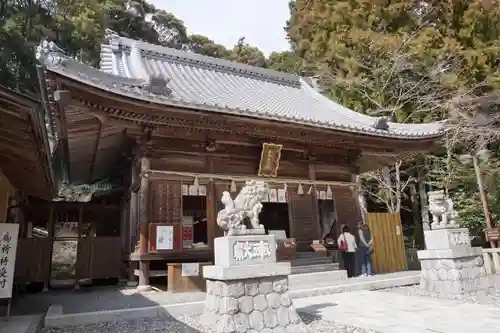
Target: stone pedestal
[
  {"x": 247, "y": 290},
  {"x": 450, "y": 266}
]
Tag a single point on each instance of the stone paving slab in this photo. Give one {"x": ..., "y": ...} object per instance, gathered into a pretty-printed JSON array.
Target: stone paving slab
[
  {"x": 59, "y": 316},
  {"x": 395, "y": 313},
  {"x": 21, "y": 324}
]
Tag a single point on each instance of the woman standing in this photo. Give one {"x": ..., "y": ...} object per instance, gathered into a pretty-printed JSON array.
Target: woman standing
[
  {"x": 347, "y": 246},
  {"x": 366, "y": 247}
]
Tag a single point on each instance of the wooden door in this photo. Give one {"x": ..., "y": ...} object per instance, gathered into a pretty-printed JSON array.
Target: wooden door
[
  {"x": 346, "y": 207},
  {"x": 304, "y": 218},
  {"x": 388, "y": 244}
]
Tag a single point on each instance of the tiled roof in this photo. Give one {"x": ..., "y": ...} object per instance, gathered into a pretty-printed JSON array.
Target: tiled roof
[{"x": 184, "y": 79}]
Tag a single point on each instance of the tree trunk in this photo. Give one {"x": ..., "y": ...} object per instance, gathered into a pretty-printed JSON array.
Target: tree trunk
[
  {"x": 386, "y": 176},
  {"x": 361, "y": 199},
  {"x": 424, "y": 207},
  {"x": 397, "y": 192},
  {"x": 417, "y": 218}
]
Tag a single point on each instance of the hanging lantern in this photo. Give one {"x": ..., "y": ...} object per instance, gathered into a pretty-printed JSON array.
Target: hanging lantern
[
  {"x": 300, "y": 190},
  {"x": 233, "y": 186},
  {"x": 196, "y": 183},
  {"x": 285, "y": 187}
]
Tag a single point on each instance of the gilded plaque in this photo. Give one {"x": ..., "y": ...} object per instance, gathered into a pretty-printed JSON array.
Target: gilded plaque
[{"x": 270, "y": 160}]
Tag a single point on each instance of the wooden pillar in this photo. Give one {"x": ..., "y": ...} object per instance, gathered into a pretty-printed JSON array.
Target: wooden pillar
[
  {"x": 211, "y": 206},
  {"x": 315, "y": 209},
  {"x": 132, "y": 224},
  {"x": 78, "y": 258},
  {"x": 144, "y": 226},
  {"x": 50, "y": 238}
]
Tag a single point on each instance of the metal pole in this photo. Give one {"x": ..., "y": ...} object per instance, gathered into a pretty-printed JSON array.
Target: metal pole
[{"x": 482, "y": 194}]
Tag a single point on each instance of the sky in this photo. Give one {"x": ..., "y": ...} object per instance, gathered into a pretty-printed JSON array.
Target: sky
[{"x": 225, "y": 21}]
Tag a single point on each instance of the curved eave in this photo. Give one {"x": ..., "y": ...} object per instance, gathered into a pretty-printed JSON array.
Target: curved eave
[
  {"x": 25, "y": 153},
  {"x": 131, "y": 88}
]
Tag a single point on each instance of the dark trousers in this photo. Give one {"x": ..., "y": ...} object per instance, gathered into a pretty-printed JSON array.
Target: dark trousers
[{"x": 348, "y": 259}]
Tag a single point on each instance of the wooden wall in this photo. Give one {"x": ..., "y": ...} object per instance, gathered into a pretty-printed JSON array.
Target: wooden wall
[
  {"x": 166, "y": 197},
  {"x": 6, "y": 190},
  {"x": 347, "y": 208}
]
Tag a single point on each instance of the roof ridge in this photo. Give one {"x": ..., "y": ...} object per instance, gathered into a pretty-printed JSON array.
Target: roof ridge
[{"x": 199, "y": 60}]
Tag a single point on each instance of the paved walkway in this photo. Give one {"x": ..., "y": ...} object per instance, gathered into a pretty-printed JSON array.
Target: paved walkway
[{"x": 396, "y": 313}]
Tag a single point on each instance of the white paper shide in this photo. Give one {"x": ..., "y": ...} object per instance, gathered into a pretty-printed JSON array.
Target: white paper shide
[{"x": 8, "y": 245}]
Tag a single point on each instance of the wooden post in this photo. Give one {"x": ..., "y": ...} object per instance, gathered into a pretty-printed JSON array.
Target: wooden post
[
  {"x": 50, "y": 236},
  {"x": 80, "y": 222},
  {"x": 482, "y": 195},
  {"x": 132, "y": 225},
  {"x": 211, "y": 206},
  {"x": 315, "y": 210},
  {"x": 144, "y": 226}
]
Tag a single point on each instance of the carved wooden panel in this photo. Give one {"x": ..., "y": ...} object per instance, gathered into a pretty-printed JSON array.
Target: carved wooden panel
[
  {"x": 304, "y": 219},
  {"x": 166, "y": 201},
  {"x": 347, "y": 208}
]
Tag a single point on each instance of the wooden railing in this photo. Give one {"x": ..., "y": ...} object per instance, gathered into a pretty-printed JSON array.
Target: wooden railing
[{"x": 492, "y": 260}]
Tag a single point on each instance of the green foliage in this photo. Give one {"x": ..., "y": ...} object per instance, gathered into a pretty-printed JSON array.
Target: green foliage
[
  {"x": 383, "y": 57},
  {"x": 78, "y": 28},
  {"x": 407, "y": 59}
]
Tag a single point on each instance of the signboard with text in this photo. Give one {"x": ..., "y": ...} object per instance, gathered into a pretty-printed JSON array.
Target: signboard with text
[{"x": 8, "y": 246}]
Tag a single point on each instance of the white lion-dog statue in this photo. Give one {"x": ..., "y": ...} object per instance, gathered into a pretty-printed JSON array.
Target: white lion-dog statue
[
  {"x": 247, "y": 204},
  {"x": 441, "y": 208}
]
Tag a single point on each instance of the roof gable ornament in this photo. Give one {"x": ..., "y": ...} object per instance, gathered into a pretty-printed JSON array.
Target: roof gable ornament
[
  {"x": 381, "y": 123},
  {"x": 158, "y": 85},
  {"x": 49, "y": 54},
  {"x": 112, "y": 38}
]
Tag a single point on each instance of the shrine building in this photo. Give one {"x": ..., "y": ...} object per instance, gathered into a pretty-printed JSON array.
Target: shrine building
[{"x": 147, "y": 143}]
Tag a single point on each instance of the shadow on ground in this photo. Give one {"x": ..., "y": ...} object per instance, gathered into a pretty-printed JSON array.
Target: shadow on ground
[
  {"x": 311, "y": 313},
  {"x": 95, "y": 298}
]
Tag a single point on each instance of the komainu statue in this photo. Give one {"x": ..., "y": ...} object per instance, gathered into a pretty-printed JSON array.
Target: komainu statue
[
  {"x": 441, "y": 208},
  {"x": 246, "y": 206}
]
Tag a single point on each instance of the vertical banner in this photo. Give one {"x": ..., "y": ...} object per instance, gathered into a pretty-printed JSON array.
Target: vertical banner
[{"x": 9, "y": 233}]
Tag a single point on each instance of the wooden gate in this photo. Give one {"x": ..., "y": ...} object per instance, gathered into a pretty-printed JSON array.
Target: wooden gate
[{"x": 388, "y": 244}]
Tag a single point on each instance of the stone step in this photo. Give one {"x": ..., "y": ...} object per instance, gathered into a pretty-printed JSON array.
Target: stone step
[
  {"x": 309, "y": 255},
  {"x": 314, "y": 268},
  {"x": 316, "y": 280},
  {"x": 376, "y": 282},
  {"x": 312, "y": 261}
]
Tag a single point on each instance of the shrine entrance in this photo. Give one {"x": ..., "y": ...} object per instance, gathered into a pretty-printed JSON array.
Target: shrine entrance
[{"x": 274, "y": 216}]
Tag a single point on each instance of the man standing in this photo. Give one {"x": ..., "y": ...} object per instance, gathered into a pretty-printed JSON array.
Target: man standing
[{"x": 366, "y": 247}]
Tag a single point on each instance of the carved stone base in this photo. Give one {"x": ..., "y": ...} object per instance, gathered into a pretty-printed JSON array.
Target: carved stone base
[
  {"x": 450, "y": 266},
  {"x": 251, "y": 305},
  {"x": 448, "y": 276},
  {"x": 245, "y": 250}
]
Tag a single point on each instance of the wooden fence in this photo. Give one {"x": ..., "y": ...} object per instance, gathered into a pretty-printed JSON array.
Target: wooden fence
[{"x": 388, "y": 243}]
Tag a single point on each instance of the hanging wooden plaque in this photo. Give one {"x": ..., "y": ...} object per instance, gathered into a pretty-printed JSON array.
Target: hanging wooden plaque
[{"x": 270, "y": 160}]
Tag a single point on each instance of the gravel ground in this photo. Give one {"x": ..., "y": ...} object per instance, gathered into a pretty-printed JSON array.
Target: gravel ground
[
  {"x": 492, "y": 299},
  {"x": 191, "y": 325}
]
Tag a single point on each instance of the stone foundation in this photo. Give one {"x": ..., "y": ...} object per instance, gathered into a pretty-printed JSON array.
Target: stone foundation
[
  {"x": 454, "y": 276},
  {"x": 253, "y": 305},
  {"x": 450, "y": 266},
  {"x": 247, "y": 290}
]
